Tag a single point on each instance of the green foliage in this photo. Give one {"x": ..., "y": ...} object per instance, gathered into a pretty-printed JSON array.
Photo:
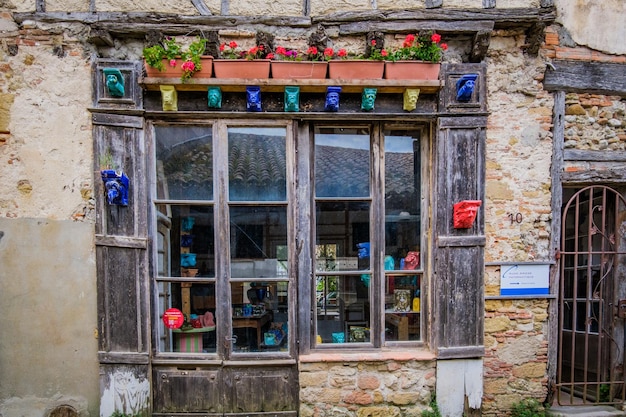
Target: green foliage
[
  {"x": 120, "y": 414},
  {"x": 421, "y": 47},
  {"x": 605, "y": 393},
  {"x": 528, "y": 408},
  {"x": 171, "y": 51},
  {"x": 434, "y": 412},
  {"x": 168, "y": 49}
]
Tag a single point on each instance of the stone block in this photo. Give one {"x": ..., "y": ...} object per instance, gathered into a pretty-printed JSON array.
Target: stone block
[
  {"x": 530, "y": 370},
  {"x": 6, "y": 102},
  {"x": 497, "y": 324}
]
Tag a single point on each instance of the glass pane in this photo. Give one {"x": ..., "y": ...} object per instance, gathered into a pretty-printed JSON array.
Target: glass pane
[
  {"x": 260, "y": 316},
  {"x": 343, "y": 235},
  {"x": 184, "y": 162},
  {"x": 342, "y": 162},
  {"x": 196, "y": 303},
  {"x": 257, "y": 164},
  {"x": 258, "y": 242},
  {"x": 192, "y": 242},
  {"x": 402, "y": 200},
  {"x": 343, "y": 309},
  {"x": 402, "y": 307}
]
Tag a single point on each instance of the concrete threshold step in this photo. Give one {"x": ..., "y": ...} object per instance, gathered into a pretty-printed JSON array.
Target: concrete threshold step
[{"x": 585, "y": 411}]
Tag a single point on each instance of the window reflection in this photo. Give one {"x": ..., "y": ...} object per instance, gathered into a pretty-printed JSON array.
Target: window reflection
[
  {"x": 342, "y": 162},
  {"x": 257, "y": 164},
  {"x": 184, "y": 162}
]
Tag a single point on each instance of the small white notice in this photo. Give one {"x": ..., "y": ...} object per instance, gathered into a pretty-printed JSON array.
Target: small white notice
[{"x": 524, "y": 279}]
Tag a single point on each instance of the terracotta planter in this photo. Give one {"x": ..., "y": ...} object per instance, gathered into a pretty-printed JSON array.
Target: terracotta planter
[
  {"x": 355, "y": 69},
  {"x": 411, "y": 70},
  {"x": 299, "y": 69},
  {"x": 177, "y": 72},
  {"x": 241, "y": 68}
]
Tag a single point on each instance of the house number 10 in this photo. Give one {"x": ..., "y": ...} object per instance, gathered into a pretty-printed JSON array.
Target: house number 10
[{"x": 516, "y": 217}]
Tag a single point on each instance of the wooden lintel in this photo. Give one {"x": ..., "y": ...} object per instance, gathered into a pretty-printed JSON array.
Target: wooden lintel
[
  {"x": 586, "y": 77},
  {"x": 593, "y": 155},
  {"x": 137, "y": 24},
  {"x": 500, "y": 17},
  {"x": 406, "y": 26}
]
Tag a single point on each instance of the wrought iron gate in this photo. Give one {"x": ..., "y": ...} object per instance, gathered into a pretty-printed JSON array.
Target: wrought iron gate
[{"x": 592, "y": 299}]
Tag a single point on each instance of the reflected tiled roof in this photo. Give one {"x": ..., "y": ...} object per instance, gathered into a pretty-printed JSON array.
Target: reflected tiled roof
[{"x": 258, "y": 161}]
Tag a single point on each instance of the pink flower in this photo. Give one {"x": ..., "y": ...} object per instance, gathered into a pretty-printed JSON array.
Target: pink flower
[
  {"x": 270, "y": 56},
  {"x": 435, "y": 37},
  {"x": 188, "y": 66},
  {"x": 172, "y": 62},
  {"x": 444, "y": 46}
]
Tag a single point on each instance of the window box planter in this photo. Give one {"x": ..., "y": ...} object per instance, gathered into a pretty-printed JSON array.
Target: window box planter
[
  {"x": 411, "y": 70},
  {"x": 356, "y": 69},
  {"x": 177, "y": 72},
  {"x": 299, "y": 69},
  {"x": 241, "y": 68}
]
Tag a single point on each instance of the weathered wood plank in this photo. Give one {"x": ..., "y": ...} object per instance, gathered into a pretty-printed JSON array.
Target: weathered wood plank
[
  {"x": 460, "y": 241},
  {"x": 306, "y": 86},
  {"x": 404, "y": 26},
  {"x": 137, "y": 24},
  {"x": 460, "y": 352},
  {"x": 302, "y": 249},
  {"x": 117, "y": 120},
  {"x": 534, "y": 38},
  {"x": 431, "y": 4},
  {"x": 480, "y": 45},
  {"x": 187, "y": 390},
  {"x": 122, "y": 241},
  {"x": 201, "y": 7},
  {"x": 609, "y": 175},
  {"x": 558, "y": 120},
  {"x": 586, "y": 77},
  {"x": 593, "y": 155},
  {"x": 458, "y": 265},
  {"x": 124, "y": 357},
  {"x": 501, "y": 17}
]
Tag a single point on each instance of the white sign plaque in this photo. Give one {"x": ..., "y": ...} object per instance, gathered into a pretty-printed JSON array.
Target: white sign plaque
[{"x": 524, "y": 279}]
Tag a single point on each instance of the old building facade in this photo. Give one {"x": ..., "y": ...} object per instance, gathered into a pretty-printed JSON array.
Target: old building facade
[{"x": 307, "y": 216}]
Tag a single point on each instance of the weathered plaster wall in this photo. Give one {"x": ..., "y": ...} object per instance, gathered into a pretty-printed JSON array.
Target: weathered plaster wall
[
  {"x": 48, "y": 337},
  {"x": 594, "y": 23}
]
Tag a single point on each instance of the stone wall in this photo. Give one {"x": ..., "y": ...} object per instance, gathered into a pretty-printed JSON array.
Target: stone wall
[
  {"x": 516, "y": 353},
  {"x": 368, "y": 388}
]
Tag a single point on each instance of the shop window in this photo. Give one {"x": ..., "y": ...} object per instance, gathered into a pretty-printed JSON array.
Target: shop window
[
  {"x": 224, "y": 205},
  {"x": 355, "y": 298}
]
